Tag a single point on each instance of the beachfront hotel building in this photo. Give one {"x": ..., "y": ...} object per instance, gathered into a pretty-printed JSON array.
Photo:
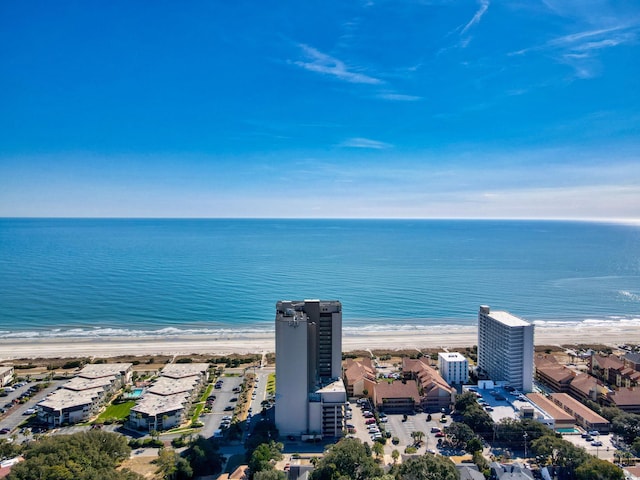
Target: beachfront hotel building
[
  {"x": 505, "y": 348},
  {"x": 166, "y": 402},
  {"x": 6, "y": 375},
  {"x": 310, "y": 394},
  {"x": 454, "y": 367},
  {"x": 83, "y": 396}
]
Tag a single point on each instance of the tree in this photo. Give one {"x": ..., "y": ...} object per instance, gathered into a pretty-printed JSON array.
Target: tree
[
  {"x": 347, "y": 459},
  {"x": 172, "y": 466},
  {"x": 635, "y": 447},
  {"x": 82, "y": 456},
  {"x": 511, "y": 432},
  {"x": 480, "y": 461},
  {"x": 427, "y": 467},
  {"x": 270, "y": 475},
  {"x": 459, "y": 434},
  {"x": 378, "y": 449},
  {"x": 465, "y": 400},
  {"x": 479, "y": 421},
  {"x": 627, "y": 425},
  {"x": 263, "y": 432},
  {"x": 417, "y": 436},
  {"x": 9, "y": 449},
  {"x": 596, "y": 469},
  {"x": 474, "y": 445},
  {"x": 166, "y": 462},
  {"x": 557, "y": 451},
  {"x": 262, "y": 456},
  {"x": 204, "y": 457},
  {"x": 395, "y": 455}
]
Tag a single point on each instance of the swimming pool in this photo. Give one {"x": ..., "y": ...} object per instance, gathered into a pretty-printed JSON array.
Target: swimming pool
[
  {"x": 567, "y": 430},
  {"x": 135, "y": 393}
]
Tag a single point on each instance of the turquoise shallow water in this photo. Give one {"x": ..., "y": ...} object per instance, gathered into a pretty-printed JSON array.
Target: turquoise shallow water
[{"x": 110, "y": 277}]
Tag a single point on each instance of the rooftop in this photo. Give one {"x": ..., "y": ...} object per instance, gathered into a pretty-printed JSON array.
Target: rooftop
[
  {"x": 336, "y": 386},
  {"x": 153, "y": 405},
  {"x": 578, "y": 408},
  {"x": 63, "y": 398},
  {"x": 452, "y": 356},
  {"x": 181, "y": 370},
  {"x": 508, "y": 319},
  {"x": 96, "y": 370},
  {"x": 397, "y": 389},
  {"x": 547, "y": 406},
  {"x": 170, "y": 386},
  {"x": 79, "y": 383}
]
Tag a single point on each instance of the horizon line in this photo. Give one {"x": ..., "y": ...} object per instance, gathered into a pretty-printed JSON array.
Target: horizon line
[{"x": 628, "y": 221}]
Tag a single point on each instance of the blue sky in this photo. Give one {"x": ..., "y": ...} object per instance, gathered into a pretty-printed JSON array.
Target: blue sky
[{"x": 475, "y": 109}]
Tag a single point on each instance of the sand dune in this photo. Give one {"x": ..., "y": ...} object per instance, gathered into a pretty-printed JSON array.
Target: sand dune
[{"x": 259, "y": 343}]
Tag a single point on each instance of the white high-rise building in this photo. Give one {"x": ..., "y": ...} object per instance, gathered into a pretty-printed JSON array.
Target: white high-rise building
[
  {"x": 454, "y": 367},
  {"x": 505, "y": 348},
  {"x": 310, "y": 394}
]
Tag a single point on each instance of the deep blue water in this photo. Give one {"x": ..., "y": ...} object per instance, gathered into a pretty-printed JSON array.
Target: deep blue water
[{"x": 116, "y": 276}]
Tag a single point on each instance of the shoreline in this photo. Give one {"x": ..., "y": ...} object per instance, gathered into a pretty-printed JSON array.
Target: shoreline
[{"x": 244, "y": 343}]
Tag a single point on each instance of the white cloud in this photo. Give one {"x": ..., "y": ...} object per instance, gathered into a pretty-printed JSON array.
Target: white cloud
[
  {"x": 484, "y": 6},
  {"x": 580, "y": 50},
  {"x": 398, "y": 97},
  {"x": 327, "y": 65},
  {"x": 359, "y": 142},
  {"x": 574, "y": 41}
]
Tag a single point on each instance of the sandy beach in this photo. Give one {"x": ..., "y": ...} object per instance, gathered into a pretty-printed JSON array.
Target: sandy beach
[{"x": 264, "y": 343}]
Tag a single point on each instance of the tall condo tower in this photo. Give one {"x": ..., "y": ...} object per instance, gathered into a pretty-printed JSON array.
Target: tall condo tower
[
  {"x": 310, "y": 394},
  {"x": 505, "y": 348}
]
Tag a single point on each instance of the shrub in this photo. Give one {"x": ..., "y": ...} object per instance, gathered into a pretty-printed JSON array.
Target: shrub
[
  {"x": 152, "y": 443},
  {"x": 73, "y": 364},
  {"x": 178, "y": 442}
]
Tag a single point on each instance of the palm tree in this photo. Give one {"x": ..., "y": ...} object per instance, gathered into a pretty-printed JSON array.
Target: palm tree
[
  {"x": 378, "y": 449},
  {"x": 395, "y": 455},
  {"x": 417, "y": 436}
]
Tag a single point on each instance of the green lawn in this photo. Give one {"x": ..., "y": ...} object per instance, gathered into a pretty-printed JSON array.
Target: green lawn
[
  {"x": 196, "y": 412},
  {"x": 271, "y": 383},
  {"x": 118, "y": 411},
  {"x": 207, "y": 392}
]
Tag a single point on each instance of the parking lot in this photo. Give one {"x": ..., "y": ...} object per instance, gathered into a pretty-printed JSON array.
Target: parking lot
[
  {"x": 401, "y": 428},
  {"x": 16, "y": 413},
  {"x": 223, "y": 405},
  {"x": 604, "y": 451}
]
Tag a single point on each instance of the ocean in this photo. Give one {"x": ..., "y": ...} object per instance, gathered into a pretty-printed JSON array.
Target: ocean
[{"x": 139, "y": 277}]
